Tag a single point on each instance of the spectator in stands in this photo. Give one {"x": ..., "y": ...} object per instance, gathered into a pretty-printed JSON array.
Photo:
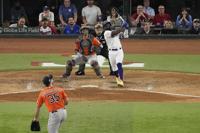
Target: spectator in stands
[
  {"x": 148, "y": 10},
  {"x": 20, "y": 24},
  {"x": 6, "y": 23},
  {"x": 161, "y": 16},
  {"x": 72, "y": 27},
  {"x": 168, "y": 24},
  {"x": 46, "y": 14},
  {"x": 195, "y": 27},
  {"x": 17, "y": 11},
  {"x": 184, "y": 19},
  {"x": 91, "y": 14},
  {"x": 44, "y": 28},
  {"x": 168, "y": 28},
  {"x": 114, "y": 17},
  {"x": 67, "y": 10},
  {"x": 146, "y": 29},
  {"x": 139, "y": 17}
]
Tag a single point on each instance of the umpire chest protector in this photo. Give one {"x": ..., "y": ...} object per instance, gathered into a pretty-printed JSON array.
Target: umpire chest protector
[{"x": 86, "y": 46}]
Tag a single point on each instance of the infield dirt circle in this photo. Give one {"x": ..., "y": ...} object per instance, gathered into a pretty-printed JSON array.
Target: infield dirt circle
[{"x": 139, "y": 85}]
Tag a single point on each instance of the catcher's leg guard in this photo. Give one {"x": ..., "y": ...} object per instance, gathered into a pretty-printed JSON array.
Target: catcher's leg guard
[
  {"x": 69, "y": 66},
  {"x": 81, "y": 70},
  {"x": 96, "y": 68}
]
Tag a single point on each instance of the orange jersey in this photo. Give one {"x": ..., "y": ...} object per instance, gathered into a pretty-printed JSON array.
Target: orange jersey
[
  {"x": 53, "y": 97},
  {"x": 85, "y": 45}
]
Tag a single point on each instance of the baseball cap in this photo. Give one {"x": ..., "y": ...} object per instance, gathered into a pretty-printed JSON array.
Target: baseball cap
[
  {"x": 45, "y": 8},
  {"x": 47, "y": 79},
  {"x": 98, "y": 26},
  {"x": 196, "y": 20}
]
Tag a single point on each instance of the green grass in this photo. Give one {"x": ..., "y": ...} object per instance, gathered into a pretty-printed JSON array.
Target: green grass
[
  {"x": 107, "y": 117},
  {"x": 180, "y": 63},
  {"x": 23, "y": 61}
]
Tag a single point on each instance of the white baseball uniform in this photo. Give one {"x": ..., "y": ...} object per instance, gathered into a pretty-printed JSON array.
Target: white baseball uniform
[{"x": 115, "y": 54}]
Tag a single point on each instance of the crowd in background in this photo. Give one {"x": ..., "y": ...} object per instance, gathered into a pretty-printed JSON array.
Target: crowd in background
[{"x": 143, "y": 21}]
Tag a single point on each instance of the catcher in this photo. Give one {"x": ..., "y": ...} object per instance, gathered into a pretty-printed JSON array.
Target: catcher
[
  {"x": 85, "y": 53},
  {"x": 55, "y": 100},
  {"x": 100, "y": 51}
]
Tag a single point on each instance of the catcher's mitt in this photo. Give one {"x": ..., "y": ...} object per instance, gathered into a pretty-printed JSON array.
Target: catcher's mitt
[{"x": 35, "y": 126}]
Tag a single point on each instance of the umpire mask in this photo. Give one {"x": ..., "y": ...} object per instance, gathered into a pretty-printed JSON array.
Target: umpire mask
[{"x": 99, "y": 30}]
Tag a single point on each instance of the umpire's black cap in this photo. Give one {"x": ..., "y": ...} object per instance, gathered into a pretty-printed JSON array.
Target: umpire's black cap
[{"x": 47, "y": 80}]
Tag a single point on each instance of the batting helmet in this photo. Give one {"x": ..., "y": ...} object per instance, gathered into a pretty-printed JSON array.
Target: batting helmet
[
  {"x": 47, "y": 80},
  {"x": 107, "y": 25}
]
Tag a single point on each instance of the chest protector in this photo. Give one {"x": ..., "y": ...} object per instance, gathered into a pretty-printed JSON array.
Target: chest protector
[{"x": 86, "y": 47}]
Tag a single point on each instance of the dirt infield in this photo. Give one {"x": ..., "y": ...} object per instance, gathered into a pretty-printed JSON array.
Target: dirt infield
[{"x": 140, "y": 85}]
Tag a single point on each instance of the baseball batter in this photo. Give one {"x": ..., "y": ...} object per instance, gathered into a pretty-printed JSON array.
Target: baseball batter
[
  {"x": 55, "y": 100},
  {"x": 116, "y": 53},
  {"x": 85, "y": 53}
]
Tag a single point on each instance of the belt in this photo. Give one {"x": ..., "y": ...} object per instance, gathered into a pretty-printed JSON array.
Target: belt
[
  {"x": 115, "y": 49},
  {"x": 54, "y": 111}
]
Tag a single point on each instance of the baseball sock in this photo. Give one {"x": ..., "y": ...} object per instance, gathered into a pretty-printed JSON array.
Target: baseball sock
[{"x": 120, "y": 70}]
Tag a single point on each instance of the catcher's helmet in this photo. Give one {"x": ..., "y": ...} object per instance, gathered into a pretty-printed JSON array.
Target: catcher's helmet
[
  {"x": 47, "y": 80},
  {"x": 84, "y": 27}
]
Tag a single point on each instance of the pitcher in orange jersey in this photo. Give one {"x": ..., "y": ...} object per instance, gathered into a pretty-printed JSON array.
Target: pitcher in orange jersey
[
  {"x": 55, "y": 100},
  {"x": 85, "y": 53}
]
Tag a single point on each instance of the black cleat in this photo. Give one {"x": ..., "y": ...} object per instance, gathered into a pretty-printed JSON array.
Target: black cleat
[
  {"x": 112, "y": 74},
  {"x": 65, "y": 75},
  {"x": 79, "y": 73}
]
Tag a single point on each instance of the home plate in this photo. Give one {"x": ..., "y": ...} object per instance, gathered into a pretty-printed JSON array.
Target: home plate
[
  {"x": 101, "y": 60},
  {"x": 131, "y": 65},
  {"x": 89, "y": 86}
]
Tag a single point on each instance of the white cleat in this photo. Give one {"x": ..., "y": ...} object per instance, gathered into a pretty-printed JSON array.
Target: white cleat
[{"x": 120, "y": 82}]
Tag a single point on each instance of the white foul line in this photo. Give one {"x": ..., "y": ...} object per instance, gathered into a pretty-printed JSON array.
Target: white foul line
[
  {"x": 166, "y": 93},
  {"x": 138, "y": 90},
  {"x": 1, "y": 94}
]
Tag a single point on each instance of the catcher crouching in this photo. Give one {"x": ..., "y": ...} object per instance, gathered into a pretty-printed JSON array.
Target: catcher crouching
[{"x": 85, "y": 53}]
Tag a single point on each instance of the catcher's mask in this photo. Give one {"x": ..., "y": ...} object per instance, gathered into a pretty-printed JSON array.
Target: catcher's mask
[
  {"x": 47, "y": 80},
  {"x": 98, "y": 29},
  {"x": 84, "y": 30}
]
